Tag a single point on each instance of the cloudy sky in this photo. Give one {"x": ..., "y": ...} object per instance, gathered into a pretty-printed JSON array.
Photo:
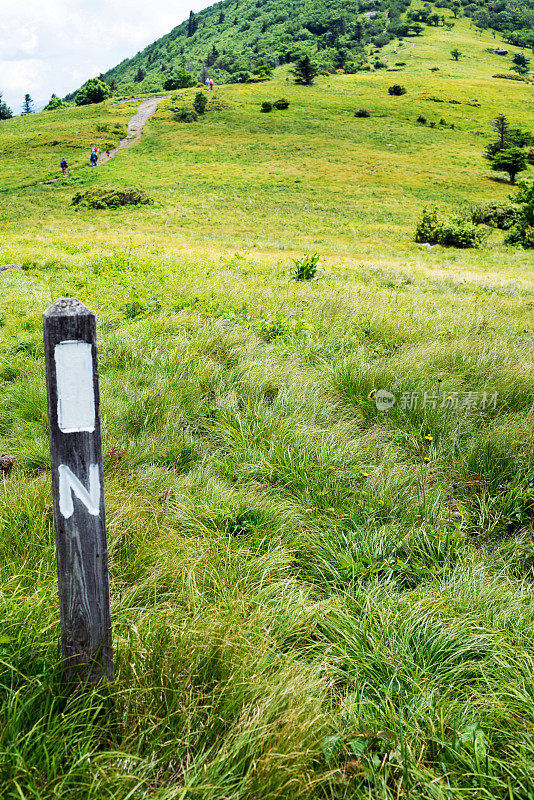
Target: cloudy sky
[{"x": 55, "y": 45}]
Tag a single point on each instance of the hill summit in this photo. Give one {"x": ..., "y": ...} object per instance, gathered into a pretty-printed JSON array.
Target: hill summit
[
  {"x": 236, "y": 40},
  {"x": 241, "y": 40}
]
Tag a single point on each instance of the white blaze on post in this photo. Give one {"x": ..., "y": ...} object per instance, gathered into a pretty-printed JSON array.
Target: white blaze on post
[
  {"x": 78, "y": 487},
  {"x": 75, "y": 387},
  {"x": 69, "y": 484}
]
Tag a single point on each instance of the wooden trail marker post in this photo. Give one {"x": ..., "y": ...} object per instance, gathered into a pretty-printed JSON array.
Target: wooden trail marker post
[{"x": 78, "y": 489}]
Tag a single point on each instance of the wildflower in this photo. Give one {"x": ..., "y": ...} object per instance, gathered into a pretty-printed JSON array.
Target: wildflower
[
  {"x": 426, "y": 460},
  {"x": 429, "y": 438},
  {"x": 449, "y": 399},
  {"x": 365, "y": 474},
  {"x": 371, "y": 394},
  {"x": 418, "y": 515}
]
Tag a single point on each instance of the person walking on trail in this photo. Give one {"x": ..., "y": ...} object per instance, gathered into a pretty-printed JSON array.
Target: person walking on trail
[
  {"x": 211, "y": 83},
  {"x": 64, "y": 166},
  {"x": 94, "y": 156}
]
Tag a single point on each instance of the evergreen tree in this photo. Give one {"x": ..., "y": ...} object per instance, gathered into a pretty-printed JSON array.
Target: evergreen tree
[
  {"x": 511, "y": 160},
  {"x": 5, "y": 111},
  {"x": 501, "y": 126},
  {"x": 521, "y": 63},
  {"x": 27, "y": 105},
  {"x": 139, "y": 75},
  {"x": 213, "y": 55},
  {"x": 304, "y": 70},
  {"x": 192, "y": 24}
]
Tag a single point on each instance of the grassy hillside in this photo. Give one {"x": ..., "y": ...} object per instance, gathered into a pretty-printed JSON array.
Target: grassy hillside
[
  {"x": 234, "y": 38},
  {"x": 311, "y": 598}
]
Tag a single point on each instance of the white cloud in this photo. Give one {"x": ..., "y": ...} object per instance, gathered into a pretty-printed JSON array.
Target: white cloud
[{"x": 55, "y": 45}]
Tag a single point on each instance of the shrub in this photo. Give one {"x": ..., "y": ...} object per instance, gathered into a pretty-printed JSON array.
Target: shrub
[
  {"x": 530, "y": 155},
  {"x": 305, "y": 267},
  {"x": 93, "y": 91},
  {"x": 509, "y": 76},
  {"x": 110, "y": 198},
  {"x": 281, "y": 104},
  {"x": 180, "y": 79},
  {"x": 266, "y": 106},
  {"x": 54, "y": 103},
  {"x": 185, "y": 115},
  {"x": 459, "y": 233},
  {"x": 432, "y": 124},
  {"x": 400, "y": 63},
  {"x": 452, "y": 233},
  {"x": 200, "y": 102},
  {"x": 362, "y": 112},
  {"x": 396, "y": 90},
  {"x": 421, "y": 119},
  {"x": 495, "y": 214},
  {"x": 522, "y": 232},
  {"x": 434, "y": 69}
]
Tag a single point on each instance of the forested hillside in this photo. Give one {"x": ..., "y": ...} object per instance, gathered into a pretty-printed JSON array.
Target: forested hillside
[{"x": 236, "y": 40}]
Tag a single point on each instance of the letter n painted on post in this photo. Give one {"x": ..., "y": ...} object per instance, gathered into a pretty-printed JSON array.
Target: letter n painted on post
[{"x": 69, "y": 484}]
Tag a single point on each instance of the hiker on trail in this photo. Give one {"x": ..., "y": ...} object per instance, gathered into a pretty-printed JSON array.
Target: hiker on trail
[
  {"x": 64, "y": 166},
  {"x": 211, "y": 83},
  {"x": 94, "y": 156}
]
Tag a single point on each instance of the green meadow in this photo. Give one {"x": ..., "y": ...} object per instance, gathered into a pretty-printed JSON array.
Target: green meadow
[{"x": 311, "y": 597}]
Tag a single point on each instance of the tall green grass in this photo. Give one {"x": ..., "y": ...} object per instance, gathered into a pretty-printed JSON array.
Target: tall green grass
[{"x": 311, "y": 598}]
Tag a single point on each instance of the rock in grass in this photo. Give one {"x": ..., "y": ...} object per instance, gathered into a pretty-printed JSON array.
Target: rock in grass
[
  {"x": 6, "y": 464},
  {"x": 3, "y": 267}
]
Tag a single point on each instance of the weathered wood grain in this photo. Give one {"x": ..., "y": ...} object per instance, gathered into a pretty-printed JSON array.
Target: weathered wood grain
[{"x": 78, "y": 490}]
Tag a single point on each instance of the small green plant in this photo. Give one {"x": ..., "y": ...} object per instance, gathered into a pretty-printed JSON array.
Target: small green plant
[
  {"x": 396, "y": 90},
  {"x": 305, "y": 267},
  {"x": 421, "y": 119},
  {"x": 200, "y": 102},
  {"x": 110, "y": 198},
  {"x": 266, "y": 106},
  {"x": 281, "y": 104},
  {"x": 362, "y": 112}
]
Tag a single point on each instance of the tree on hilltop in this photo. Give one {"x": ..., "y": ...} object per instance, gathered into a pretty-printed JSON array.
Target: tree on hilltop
[
  {"x": 192, "y": 24},
  {"x": 94, "y": 91},
  {"x": 5, "y": 111},
  {"x": 27, "y": 105},
  {"x": 304, "y": 70}
]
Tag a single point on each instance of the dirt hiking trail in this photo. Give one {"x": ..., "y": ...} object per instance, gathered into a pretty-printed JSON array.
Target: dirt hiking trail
[{"x": 147, "y": 109}]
